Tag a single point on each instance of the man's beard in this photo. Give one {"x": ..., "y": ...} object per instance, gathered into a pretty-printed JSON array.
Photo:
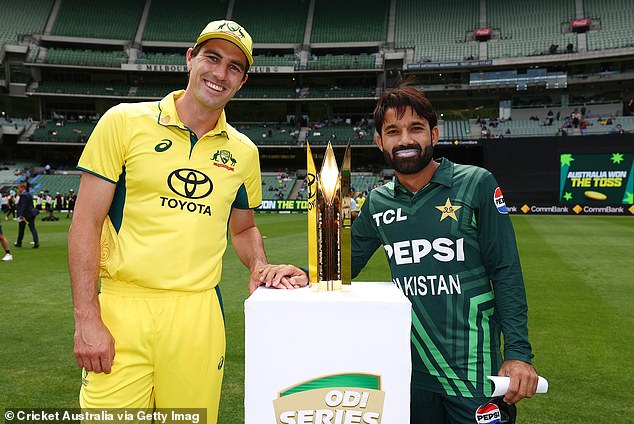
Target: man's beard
[{"x": 409, "y": 165}]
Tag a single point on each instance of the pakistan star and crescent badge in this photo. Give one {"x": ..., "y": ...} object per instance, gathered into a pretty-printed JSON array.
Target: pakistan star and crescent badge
[{"x": 448, "y": 210}]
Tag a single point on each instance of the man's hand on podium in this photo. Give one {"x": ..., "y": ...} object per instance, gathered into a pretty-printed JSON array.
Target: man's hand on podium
[{"x": 278, "y": 276}]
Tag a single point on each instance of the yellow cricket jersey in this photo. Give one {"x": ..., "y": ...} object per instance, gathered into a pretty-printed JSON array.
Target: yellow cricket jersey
[{"x": 167, "y": 226}]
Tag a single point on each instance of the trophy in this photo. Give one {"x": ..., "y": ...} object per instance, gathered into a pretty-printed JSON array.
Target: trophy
[{"x": 329, "y": 221}]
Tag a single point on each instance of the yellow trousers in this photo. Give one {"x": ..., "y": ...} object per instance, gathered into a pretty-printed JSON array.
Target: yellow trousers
[{"x": 169, "y": 351}]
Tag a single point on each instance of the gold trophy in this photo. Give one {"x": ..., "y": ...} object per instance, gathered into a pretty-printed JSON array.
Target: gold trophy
[{"x": 329, "y": 221}]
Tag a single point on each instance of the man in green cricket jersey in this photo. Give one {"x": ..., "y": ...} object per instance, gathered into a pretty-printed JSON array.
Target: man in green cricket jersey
[{"x": 451, "y": 249}]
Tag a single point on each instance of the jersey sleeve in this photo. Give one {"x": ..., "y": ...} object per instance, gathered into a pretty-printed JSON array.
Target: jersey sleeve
[
  {"x": 501, "y": 259},
  {"x": 249, "y": 195},
  {"x": 365, "y": 239},
  {"x": 104, "y": 153}
]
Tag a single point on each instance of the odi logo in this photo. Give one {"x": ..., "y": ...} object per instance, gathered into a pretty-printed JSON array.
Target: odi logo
[{"x": 190, "y": 183}]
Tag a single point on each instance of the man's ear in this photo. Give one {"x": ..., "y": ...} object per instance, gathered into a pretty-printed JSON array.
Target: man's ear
[
  {"x": 434, "y": 136},
  {"x": 188, "y": 59},
  {"x": 378, "y": 140},
  {"x": 246, "y": 77}
]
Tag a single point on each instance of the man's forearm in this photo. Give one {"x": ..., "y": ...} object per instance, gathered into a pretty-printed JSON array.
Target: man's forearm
[
  {"x": 250, "y": 248},
  {"x": 83, "y": 262}
]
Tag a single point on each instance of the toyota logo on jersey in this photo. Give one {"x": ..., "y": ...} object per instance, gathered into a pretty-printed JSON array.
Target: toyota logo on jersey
[
  {"x": 190, "y": 183},
  {"x": 498, "y": 200}
]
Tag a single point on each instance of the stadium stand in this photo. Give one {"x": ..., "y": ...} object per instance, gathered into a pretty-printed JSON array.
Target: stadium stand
[
  {"x": 111, "y": 59},
  {"x": 270, "y": 133},
  {"x": 529, "y": 28},
  {"x": 83, "y": 88},
  {"x": 616, "y": 29},
  {"x": 361, "y": 183},
  {"x": 342, "y": 61},
  {"x": 277, "y": 186},
  {"x": 456, "y": 130},
  {"x": 330, "y": 60},
  {"x": 69, "y": 132},
  {"x": 57, "y": 183},
  {"x": 434, "y": 34},
  {"x": 280, "y": 21},
  {"x": 15, "y": 22},
  {"x": 350, "y": 21},
  {"x": 114, "y": 19},
  {"x": 160, "y": 58},
  {"x": 165, "y": 23}
]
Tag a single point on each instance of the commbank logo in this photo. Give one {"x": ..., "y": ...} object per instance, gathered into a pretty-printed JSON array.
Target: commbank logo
[{"x": 190, "y": 183}]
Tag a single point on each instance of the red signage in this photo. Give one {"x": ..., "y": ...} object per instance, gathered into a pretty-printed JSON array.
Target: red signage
[{"x": 581, "y": 23}]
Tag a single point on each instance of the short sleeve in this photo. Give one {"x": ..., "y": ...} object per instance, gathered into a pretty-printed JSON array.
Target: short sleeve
[{"x": 104, "y": 154}]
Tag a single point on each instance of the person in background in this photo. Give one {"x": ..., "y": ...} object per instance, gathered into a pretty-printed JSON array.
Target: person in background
[
  {"x": 26, "y": 216},
  {"x": 5, "y": 245}
]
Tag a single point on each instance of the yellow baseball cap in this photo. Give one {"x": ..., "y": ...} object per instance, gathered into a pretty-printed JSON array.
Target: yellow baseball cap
[{"x": 230, "y": 31}]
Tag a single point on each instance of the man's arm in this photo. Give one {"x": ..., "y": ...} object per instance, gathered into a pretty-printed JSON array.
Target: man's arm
[
  {"x": 365, "y": 239},
  {"x": 501, "y": 259},
  {"x": 249, "y": 247},
  {"x": 94, "y": 345}
]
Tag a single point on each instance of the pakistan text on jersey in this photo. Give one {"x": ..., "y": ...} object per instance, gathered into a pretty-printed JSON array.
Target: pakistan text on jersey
[
  {"x": 185, "y": 205},
  {"x": 412, "y": 251},
  {"x": 429, "y": 285}
]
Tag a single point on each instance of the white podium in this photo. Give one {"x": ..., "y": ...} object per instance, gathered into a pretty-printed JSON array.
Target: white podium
[{"x": 328, "y": 357}]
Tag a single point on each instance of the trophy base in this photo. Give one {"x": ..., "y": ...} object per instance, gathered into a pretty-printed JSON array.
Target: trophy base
[{"x": 330, "y": 285}]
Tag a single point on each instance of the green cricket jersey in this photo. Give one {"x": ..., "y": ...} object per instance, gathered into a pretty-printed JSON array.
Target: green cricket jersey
[{"x": 451, "y": 250}]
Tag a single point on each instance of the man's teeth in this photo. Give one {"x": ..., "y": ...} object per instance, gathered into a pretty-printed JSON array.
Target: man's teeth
[
  {"x": 214, "y": 86},
  {"x": 406, "y": 153}
]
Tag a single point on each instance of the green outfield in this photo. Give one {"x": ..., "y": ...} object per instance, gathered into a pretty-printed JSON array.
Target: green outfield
[{"x": 579, "y": 279}]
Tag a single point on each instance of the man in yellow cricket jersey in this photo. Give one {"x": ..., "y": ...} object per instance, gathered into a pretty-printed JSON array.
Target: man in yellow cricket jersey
[{"x": 162, "y": 181}]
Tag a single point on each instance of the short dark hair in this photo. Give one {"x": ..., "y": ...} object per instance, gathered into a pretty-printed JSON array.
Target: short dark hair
[{"x": 400, "y": 98}]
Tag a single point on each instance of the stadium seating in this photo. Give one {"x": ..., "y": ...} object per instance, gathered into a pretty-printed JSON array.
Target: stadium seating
[
  {"x": 350, "y": 21},
  {"x": 340, "y": 134},
  {"x": 167, "y": 21},
  {"x": 78, "y": 57},
  {"x": 260, "y": 134},
  {"x": 456, "y": 130},
  {"x": 16, "y": 22},
  {"x": 157, "y": 91},
  {"x": 433, "y": 33},
  {"x": 69, "y": 132},
  {"x": 160, "y": 58},
  {"x": 56, "y": 183},
  {"x": 276, "y": 60},
  {"x": 529, "y": 28},
  {"x": 250, "y": 91},
  {"x": 616, "y": 24},
  {"x": 342, "y": 61},
  {"x": 114, "y": 19},
  {"x": 85, "y": 88},
  {"x": 273, "y": 185},
  {"x": 280, "y": 21},
  {"x": 361, "y": 183}
]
